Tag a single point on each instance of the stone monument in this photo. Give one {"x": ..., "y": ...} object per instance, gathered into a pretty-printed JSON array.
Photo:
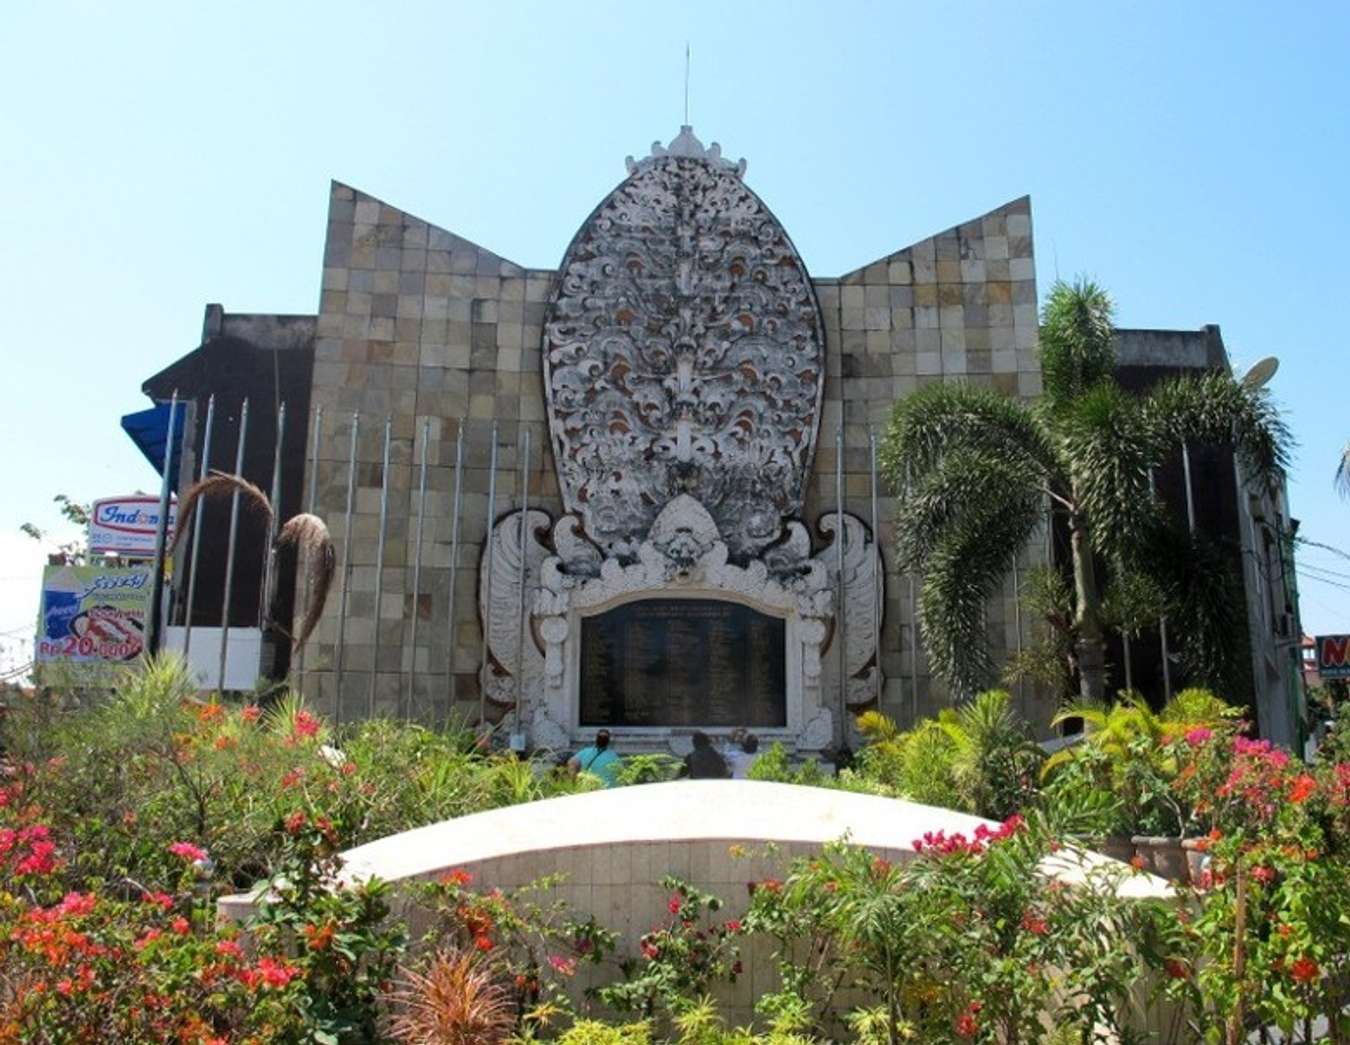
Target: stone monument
[{"x": 684, "y": 367}]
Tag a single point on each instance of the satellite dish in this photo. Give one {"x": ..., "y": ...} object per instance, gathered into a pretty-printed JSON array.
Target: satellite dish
[{"x": 1260, "y": 372}]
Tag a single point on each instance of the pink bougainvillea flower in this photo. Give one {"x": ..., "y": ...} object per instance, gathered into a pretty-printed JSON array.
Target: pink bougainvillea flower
[
  {"x": 188, "y": 851},
  {"x": 1199, "y": 735}
]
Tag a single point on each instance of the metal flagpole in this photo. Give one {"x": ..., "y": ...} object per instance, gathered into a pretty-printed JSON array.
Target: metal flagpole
[
  {"x": 840, "y": 614},
  {"x": 913, "y": 630},
  {"x": 455, "y": 505},
  {"x": 379, "y": 565},
  {"x": 417, "y": 564},
  {"x": 1190, "y": 498},
  {"x": 1017, "y": 623},
  {"x": 877, "y": 579},
  {"x": 202, "y": 471},
  {"x": 270, "y": 553},
  {"x": 346, "y": 570},
  {"x": 487, "y": 586},
  {"x": 154, "y": 634},
  {"x": 230, "y": 549},
  {"x": 524, "y": 463},
  {"x": 1162, "y": 628},
  {"x": 311, "y": 503}
]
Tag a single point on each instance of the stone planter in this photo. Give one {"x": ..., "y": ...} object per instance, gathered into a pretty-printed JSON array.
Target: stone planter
[
  {"x": 1163, "y": 856},
  {"x": 1117, "y": 847},
  {"x": 1197, "y": 859}
]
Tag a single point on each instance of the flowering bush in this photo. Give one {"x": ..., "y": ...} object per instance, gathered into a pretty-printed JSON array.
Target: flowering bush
[{"x": 680, "y": 958}]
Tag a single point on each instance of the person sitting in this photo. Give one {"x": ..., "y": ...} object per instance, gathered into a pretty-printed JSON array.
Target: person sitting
[
  {"x": 704, "y": 763},
  {"x": 598, "y": 759},
  {"x": 742, "y": 757}
]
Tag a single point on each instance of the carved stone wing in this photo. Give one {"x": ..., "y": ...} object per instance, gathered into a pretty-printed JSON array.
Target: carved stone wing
[
  {"x": 862, "y": 607},
  {"x": 503, "y": 618}
]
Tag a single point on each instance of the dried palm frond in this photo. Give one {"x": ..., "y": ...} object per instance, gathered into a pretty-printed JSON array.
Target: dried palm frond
[
  {"x": 219, "y": 484},
  {"x": 455, "y": 1002},
  {"x": 308, "y": 534}
]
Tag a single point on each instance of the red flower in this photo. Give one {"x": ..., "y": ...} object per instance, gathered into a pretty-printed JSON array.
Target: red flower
[
  {"x": 457, "y": 876},
  {"x": 966, "y": 1026},
  {"x": 1034, "y": 924},
  {"x": 1177, "y": 969},
  {"x": 150, "y": 936},
  {"x": 292, "y": 778},
  {"x": 276, "y": 974},
  {"x": 294, "y": 822},
  {"x": 229, "y": 949},
  {"x": 188, "y": 851},
  {"x": 1304, "y": 970},
  {"x": 1264, "y": 874},
  {"x": 306, "y": 725},
  {"x": 251, "y": 713},
  {"x": 1138, "y": 862},
  {"x": 674, "y": 904},
  {"x": 483, "y": 943},
  {"x": 319, "y": 938},
  {"x": 565, "y": 966},
  {"x": 1302, "y": 787},
  {"x": 162, "y": 900},
  {"x": 733, "y": 926},
  {"x": 180, "y": 925}
]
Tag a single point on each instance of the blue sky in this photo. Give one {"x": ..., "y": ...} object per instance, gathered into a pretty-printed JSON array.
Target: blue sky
[{"x": 1192, "y": 157}]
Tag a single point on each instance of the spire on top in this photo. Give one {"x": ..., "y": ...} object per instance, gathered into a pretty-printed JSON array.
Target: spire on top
[{"x": 686, "y": 145}]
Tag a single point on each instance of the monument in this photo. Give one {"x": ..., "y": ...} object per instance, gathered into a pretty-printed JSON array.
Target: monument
[{"x": 684, "y": 366}]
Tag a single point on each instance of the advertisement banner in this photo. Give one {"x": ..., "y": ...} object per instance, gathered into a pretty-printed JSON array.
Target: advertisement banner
[
  {"x": 1333, "y": 656},
  {"x": 93, "y": 614},
  {"x": 126, "y": 525}
]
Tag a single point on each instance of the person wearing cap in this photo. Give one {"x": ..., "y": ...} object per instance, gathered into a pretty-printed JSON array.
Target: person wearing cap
[{"x": 598, "y": 759}]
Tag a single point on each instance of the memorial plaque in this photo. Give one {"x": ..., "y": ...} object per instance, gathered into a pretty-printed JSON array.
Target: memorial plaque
[{"x": 683, "y": 662}]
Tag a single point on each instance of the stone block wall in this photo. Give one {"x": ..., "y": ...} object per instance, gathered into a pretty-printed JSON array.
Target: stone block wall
[
  {"x": 425, "y": 328},
  {"x": 430, "y": 330},
  {"x": 960, "y": 306}
]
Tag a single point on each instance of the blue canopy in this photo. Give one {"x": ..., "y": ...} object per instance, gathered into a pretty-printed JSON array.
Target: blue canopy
[{"x": 149, "y": 429}]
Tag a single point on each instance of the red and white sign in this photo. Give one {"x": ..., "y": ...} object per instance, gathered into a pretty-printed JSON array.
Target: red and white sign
[{"x": 127, "y": 525}]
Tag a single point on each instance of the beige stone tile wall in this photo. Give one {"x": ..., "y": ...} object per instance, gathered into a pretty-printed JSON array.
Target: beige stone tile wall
[
  {"x": 958, "y": 306},
  {"x": 420, "y": 325}
]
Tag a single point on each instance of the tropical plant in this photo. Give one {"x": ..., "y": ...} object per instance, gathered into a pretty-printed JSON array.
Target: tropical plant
[
  {"x": 978, "y": 757},
  {"x": 454, "y": 1001},
  {"x": 973, "y": 470}
]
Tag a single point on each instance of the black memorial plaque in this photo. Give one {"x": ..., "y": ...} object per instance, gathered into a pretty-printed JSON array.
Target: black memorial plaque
[{"x": 683, "y": 662}]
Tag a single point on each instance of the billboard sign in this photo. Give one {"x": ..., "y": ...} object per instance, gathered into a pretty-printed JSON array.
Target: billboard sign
[
  {"x": 126, "y": 525},
  {"x": 93, "y": 614},
  {"x": 1333, "y": 656}
]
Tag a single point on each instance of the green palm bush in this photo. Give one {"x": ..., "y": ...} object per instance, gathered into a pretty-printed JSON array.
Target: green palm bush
[{"x": 974, "y": 470}]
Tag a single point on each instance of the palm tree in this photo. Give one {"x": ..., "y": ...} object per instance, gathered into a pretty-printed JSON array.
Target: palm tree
[
  {"x": 973, "y": 470},
  {"x": 1343, "y": 472}
]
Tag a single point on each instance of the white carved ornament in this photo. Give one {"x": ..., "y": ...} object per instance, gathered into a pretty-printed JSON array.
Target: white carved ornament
[{"x": 683, "y": 353}]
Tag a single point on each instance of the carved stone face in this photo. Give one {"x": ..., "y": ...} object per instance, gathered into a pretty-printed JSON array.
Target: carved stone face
[{"x": 683, "y": 354}]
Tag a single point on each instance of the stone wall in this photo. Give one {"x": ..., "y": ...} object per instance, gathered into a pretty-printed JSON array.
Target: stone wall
[
  {"x": 958, "y": 306},
  {"x": 420, "y": 325}
]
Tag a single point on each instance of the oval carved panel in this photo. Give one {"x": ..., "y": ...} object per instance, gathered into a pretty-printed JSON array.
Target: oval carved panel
[{"x": 683, "y": 354}]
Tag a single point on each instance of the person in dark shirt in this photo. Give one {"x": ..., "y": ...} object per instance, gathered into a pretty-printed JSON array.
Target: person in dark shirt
[{"x": 704, "y": 763}]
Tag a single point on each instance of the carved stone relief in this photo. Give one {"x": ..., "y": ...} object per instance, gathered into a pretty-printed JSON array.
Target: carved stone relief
[{"x": 683, "y": 353}]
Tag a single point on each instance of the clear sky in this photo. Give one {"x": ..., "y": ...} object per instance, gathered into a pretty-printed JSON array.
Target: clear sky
[{"x": 153, "y": 158}]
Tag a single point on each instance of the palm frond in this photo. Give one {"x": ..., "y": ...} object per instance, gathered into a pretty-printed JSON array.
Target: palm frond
[
  {"x": 1343, "y": 472},
  {"x": 1110, "y": 446},
  {"x": 1077, "y": 339},
  {"x": 942, "y": 419},
  {"x": 219, "y": 484},
  {"x": 1215, "y": 409},
  {"x": 309, "y": 536}
]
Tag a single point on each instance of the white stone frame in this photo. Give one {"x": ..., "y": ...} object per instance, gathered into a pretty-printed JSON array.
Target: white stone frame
[{"x": 682, "y": 557}]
